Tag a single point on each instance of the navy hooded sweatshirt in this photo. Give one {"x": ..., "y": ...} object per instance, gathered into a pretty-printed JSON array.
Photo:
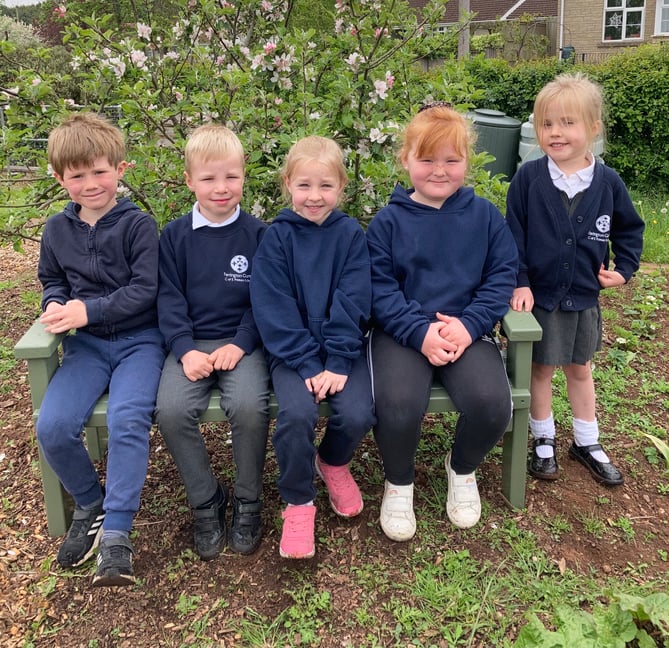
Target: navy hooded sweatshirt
[
  {"x": 112, "y": 267},
  {"x": 311, "y": 292},
  {"x": 458, "y": 260}
]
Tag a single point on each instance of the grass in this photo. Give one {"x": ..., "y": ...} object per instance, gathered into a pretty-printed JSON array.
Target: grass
[{"x": 654, "y": 209}]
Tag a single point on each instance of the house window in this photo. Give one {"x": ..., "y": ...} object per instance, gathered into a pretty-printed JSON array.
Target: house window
[
  {"x": 662, "y": 17},
  {"x": 623, "y": 19}
]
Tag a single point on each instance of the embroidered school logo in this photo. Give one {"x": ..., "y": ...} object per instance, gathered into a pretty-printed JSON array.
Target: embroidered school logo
[
  {"x": 239, "y": 263},
  {"x": 603, "y": 224}
]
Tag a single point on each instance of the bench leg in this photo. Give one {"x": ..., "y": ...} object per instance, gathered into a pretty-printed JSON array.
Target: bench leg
[
  {"x": 514, "y": 460},
  {"x": 58, "y": 503},
  {"x": 96, "y": 442}
]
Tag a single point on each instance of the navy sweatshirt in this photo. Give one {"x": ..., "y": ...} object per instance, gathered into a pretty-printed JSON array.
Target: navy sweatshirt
[
  {"x": 112, "y": 267},
  {"x": 561, "y": 253},
  {"x": 458, "y": 260},
  {"x": 204, "y": 283},
  {"x": 311, "y": 292}
]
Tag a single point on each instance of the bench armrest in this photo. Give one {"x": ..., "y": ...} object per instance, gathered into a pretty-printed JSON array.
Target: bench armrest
[
  {"x": 521, "y": 330},
  {"x": 40, "y": 349}
]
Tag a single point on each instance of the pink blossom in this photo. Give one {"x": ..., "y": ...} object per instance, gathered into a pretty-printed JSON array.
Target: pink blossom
[
  {"x": 60, "y": 11},
  {"x": 390, "y": 80},
  {"x": 144, "y": 31},
  {"x": 179, "y": 95},
  {"x": 381, "y": 89},
  {"x": 138, "y": 58},
  {"x": 269, "y": 47},
  {"x": 376, "y": 135}
]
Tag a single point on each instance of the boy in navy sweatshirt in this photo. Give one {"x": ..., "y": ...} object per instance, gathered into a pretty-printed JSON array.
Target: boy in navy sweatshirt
[
  {"x": 204, "y": 309},
  {"x": 99, "y": 269}
]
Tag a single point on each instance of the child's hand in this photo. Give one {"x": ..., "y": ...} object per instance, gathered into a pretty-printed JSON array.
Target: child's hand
[
  {"x": 454, "y": 331},
  {"x": 325, "y": 383},
  {"x": 59, "y": 318},
  {"x": 435, "y": 348},
  {"x": 610, "y": 278},
  {"x": 196, "y": 365},
  {"x": 225, "y": 358},
  {"x": 522, "y": 299}
]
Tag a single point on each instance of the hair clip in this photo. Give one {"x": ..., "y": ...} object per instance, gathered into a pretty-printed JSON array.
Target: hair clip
[{"x": 435, "y": 104}]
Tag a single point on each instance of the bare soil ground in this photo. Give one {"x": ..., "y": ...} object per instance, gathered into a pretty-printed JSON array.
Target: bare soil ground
[{"x": 37, "y": 600}]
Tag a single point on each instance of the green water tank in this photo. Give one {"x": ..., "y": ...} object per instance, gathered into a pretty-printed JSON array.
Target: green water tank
[{"x": 498, "y": 135}]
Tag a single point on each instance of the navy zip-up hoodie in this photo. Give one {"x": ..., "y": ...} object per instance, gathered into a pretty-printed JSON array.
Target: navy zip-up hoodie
[
  {"x": 561, "y": 254},
  {"x": 112, "y": 267},
  {"x": 458, "y": 260},
  {"x": 204, "y": 283},
  {"x": 311, "y": 292}
]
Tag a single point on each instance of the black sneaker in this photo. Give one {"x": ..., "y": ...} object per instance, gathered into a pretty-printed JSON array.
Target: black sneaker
[
  {"x": 209, "y": 528},
  {"x": 114, "y": 563},
  {"x": 82, "y": 537},
  {"x": 246, "y": 531}
]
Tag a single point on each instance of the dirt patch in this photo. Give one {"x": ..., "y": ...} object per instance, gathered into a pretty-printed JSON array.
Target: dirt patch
[{"x": 35, "y": 595}]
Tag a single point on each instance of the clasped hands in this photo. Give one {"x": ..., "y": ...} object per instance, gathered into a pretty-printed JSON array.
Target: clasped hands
[
  {"x": 324, "y": 383},
  {"x": 198, "y": 364},
  {"x": 445, "y": 341}
]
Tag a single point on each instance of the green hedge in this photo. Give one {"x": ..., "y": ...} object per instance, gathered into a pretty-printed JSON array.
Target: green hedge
[{"x": 636, "y": 89}]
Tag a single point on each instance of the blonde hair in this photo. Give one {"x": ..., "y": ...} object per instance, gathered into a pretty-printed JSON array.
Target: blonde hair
[
  {"x": 210, "y": 142},
  {"x": 83, "y": 138},
  {"x": 576, "y": 95},
  {"x": 313, "y": 148},
  {"x": 431, "y": 127}
]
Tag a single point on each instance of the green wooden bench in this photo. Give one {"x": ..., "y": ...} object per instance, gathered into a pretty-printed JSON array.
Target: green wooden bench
[{"x": 41, "y": 350}]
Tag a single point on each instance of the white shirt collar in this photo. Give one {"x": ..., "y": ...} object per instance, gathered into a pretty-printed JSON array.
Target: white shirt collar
[
  {"x": 202, "y": 221},
  {"x": 574, "y": 183}
]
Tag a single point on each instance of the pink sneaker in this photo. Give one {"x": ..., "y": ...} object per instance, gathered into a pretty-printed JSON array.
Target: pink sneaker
[
  {"x": 297, "y": 537},
  {"x": 345, "y": 497}
]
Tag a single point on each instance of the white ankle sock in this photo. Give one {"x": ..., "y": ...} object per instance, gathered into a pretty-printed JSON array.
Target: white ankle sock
[
  {"x": 587, "y": 433},
  {"x": 543, "y": 429}
]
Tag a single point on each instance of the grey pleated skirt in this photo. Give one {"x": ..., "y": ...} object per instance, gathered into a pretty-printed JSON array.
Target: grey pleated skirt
[{"x": 569, "y": 337}]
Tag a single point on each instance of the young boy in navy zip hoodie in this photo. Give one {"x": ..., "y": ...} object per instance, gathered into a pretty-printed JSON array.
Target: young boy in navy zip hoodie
[
  {"x": 98, "y": 266},
  {"x": 311, "y": 296}
]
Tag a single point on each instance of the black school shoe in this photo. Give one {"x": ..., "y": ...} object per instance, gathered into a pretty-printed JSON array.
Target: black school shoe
[
  {"x": 543, "y": 468},
  {"x": 114, "y": 566},
  {"x": 604, "y": 473},
  {"x": 246, "y": 530},
  {"x": 209, "y": 528}
]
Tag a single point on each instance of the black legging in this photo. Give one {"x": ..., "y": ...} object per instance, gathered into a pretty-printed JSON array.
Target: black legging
[{"x": 477, "y": 384}]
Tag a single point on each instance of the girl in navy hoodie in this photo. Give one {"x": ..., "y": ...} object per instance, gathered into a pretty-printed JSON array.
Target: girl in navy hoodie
[
  {"x": 311, "y": 298},
  {"x": 443, "y": 270}
]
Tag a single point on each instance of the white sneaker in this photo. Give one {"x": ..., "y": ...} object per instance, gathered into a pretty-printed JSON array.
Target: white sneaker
[
  {"x": 464, "y": 504},
  {"x": 397, "y": 519}
]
